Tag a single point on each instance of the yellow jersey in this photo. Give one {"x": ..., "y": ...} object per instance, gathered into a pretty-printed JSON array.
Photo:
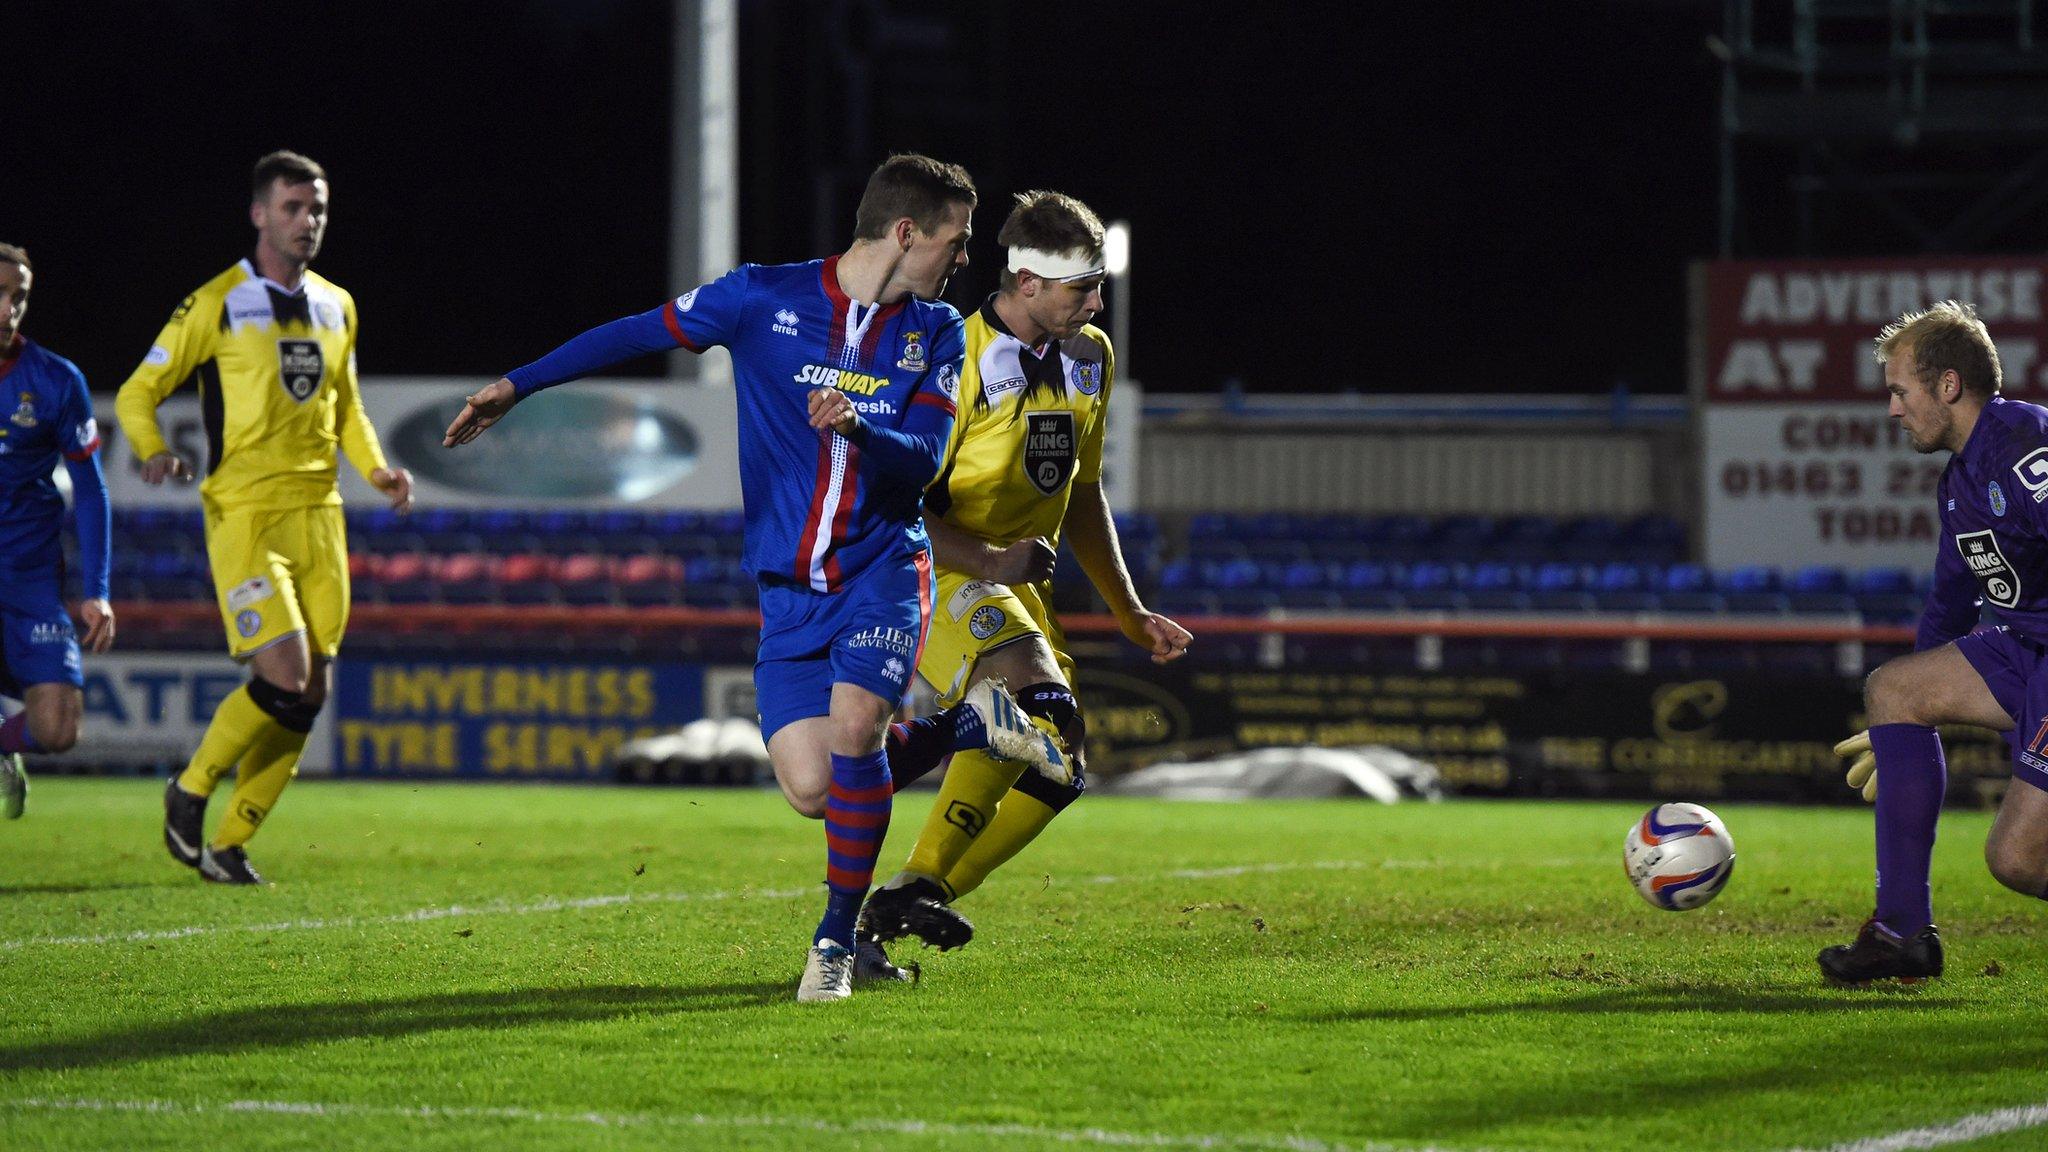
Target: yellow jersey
[
  {"x": 276, "y": 372},
  {"x": 1030, "y": 425}
]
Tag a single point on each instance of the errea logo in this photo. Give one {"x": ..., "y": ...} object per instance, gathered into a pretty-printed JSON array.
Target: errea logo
[{"x": 785, "y": 322}]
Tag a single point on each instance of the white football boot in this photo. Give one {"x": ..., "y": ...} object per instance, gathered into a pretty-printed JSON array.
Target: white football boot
[
  {"x": 828, "y": 973},
  {"x": 1012, "y": 735}
]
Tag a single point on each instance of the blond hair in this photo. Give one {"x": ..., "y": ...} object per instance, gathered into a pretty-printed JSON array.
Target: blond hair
[{"x": 1945, "y": 338}]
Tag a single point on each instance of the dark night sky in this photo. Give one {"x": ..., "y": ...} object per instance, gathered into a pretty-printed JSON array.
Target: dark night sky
[{"x": 1440, "y": 197}]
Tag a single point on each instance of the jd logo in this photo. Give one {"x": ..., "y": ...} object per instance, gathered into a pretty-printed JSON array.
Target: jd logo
[
  {"x": 300, "y": 366},
  {"x": 966, "y": 817},
  {"x": 1049, "y": 450}
]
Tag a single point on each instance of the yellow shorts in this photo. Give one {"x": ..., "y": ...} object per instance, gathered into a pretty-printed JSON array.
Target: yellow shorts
[
  {"x": 277, "y": 572},
  {"x": 972, "y": 617}
]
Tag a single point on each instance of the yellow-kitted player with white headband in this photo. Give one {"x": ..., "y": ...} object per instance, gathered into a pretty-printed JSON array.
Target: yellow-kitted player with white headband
[{"x": 1023, "y": 468}]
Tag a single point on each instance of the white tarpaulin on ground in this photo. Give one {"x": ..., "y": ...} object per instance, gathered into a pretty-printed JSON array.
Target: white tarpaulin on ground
[{"x": 1382, "y": 774}]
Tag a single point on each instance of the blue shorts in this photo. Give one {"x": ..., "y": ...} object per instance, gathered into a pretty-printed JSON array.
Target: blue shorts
[
  {"x": 868, "y": 634},
  {"x": 2013, "y": 668},
  {"x": 37, "y": 643}
]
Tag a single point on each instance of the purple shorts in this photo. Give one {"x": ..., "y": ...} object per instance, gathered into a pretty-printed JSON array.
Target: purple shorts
[{"x": 2016, "y": 670}]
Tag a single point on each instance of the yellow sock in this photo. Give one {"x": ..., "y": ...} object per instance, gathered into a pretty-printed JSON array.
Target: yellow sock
[
  {"x": 236, "y": 725},
  {"x": 269, "y": 766},
  {"x": 974, "y": 785},
  {"x": 1019, "y": 820}
]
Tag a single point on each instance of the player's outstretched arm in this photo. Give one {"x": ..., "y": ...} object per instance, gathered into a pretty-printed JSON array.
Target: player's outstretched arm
[
  {"x": 485, "y": 408},
  {"x": 1092, "y": 534}
]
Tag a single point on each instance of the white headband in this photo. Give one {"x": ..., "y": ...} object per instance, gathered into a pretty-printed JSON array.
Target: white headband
[{"x": 1057, "y": 266}]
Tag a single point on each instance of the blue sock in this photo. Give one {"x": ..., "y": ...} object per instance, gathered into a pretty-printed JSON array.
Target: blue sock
[
  {"x": 1912, "y": 775},
  {"x": 856, "y": 820},
  {"x": 14, "y": 735},
  {"x": 918, "y": 746}
]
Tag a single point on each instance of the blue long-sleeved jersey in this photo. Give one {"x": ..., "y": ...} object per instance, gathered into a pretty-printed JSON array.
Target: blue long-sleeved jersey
[
  {"x": 820, "y": 507},
  {"x": 46, "y": 413}
]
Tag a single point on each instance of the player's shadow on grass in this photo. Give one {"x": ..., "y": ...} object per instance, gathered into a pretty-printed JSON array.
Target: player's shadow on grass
[
  {"x": 1632, "y": 1000},
  {"x": 74, "y": 889},
  {"x": 1874, "y": 1042},
  {"x": 273, "y": 1026}
]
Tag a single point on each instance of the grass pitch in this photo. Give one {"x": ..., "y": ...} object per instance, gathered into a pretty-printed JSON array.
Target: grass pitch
[{"x": 462, "y": 966}]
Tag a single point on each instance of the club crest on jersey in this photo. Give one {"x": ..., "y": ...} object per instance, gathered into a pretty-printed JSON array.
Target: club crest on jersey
[
  {"x": 1049, "y": 450},
  {"x": 1087, "y": 376},
  {"x": 1981, "y": 553},
  {"x": 913, "y": 352},
  {"x": 248, "y": 622},
  {"x": 1997, "y": 496},
  {"x": 25, "y": 416},
  {"x": 300, "y": 366},
  {"x": 987, "y": 621}
]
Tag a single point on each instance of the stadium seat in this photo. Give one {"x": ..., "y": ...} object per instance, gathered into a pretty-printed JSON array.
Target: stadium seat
[
  {"x": 584, "y": 578},
  {"x": 1820, "y": 589},
  {"x": 1493, "y": 586},
  {"x": 1624, "y": 587},
  {"x": 1887, "y": 595},
  {"x": 525, "y": 578},
  {"x": 1556, "y": 587},
  {"x": 1431, "y": 586},
  {"x": 464, "y": 578},
  {"x": 651, "y": 580},
  {"x": 1752, "y": 589},
  {"x": 1592, "y": 540},
  {"x": 405, "y": 578},
  {"x": 1688, "y": 588}
]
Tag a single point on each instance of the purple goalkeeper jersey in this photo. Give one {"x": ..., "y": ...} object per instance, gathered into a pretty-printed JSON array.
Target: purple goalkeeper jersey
[{"x": 1994, "y": 528}]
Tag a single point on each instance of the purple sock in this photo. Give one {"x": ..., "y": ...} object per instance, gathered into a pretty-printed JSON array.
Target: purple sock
[
  {"x": 1912, "y": 775},
  {"x": 917, "y": 747},
  {"x": 14, "y": 735}
]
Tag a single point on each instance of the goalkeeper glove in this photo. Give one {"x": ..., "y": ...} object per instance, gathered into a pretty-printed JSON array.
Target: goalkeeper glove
[{"x": 1863, "y": 771}]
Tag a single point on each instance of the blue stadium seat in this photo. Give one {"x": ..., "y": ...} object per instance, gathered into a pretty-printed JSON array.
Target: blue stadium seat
[
  {"x": 1592, "y": 540},
  {"x": 1688, "y": 588},
  {"x": 1656, "y": 538},
  {"x": 1887, "y": 595},
  {"x": 1493, "y": 586},
  {"x": 1819, "y": 589},
  {"x": 1525, "y": 538},
  {"x": 1752, "y": 589},
  {"x": 1622, "y": 587}
]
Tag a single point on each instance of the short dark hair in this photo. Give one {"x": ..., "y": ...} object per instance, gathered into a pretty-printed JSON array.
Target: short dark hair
[
  {"x": 908, "y": 184},
  {"x": 1050, "y": 222},
  {"x": 15, "y": 254},
  {"x": 289, "y": 167},
  {"x": 1946, "y": 337}
]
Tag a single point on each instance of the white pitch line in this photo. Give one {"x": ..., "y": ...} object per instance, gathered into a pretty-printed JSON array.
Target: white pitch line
[
  {"x": 439, "y": 912},
  {"x": 431, "y": 1112},
  {"x": 580, "y": 904},
  {"x": 1960, "y": 1131}
]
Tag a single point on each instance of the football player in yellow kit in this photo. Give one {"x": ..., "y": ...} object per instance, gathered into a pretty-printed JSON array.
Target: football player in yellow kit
[
  {"x": 273, "y": 348},
  {"x": 1024, "y": 467}
]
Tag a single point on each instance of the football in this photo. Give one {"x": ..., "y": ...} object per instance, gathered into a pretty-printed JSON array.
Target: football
[{"x": 1678, "y": 856}]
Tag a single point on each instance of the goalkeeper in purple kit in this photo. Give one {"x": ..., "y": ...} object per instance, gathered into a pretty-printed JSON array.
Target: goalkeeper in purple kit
[
  {"x": 847, "y": 372},
  {"x": 1943, "y": 375}
]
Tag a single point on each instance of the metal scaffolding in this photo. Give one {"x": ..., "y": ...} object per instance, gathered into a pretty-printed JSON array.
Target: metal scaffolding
[{"x": 1882, "y": 125}]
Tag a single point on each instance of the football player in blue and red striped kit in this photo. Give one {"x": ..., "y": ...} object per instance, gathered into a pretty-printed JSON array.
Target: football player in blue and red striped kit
[
  {"x": 45, "y": 413},
  {"x": 847, "y": 371},
  {"x": 1942, "y": 372}
]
